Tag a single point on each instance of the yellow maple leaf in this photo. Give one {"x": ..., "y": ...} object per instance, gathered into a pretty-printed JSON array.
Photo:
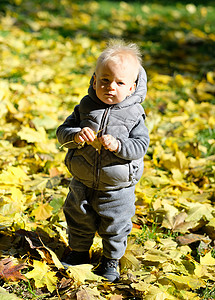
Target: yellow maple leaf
[
  {"x": 129, "y": 261},
  {"x": 81, "y": 273},
  {"x": 33, "y": 136},
  {"x": 42, "y": 275},
  {"x": 141, "y": 286},
  {"x": 13, "y": 175},
  {"x": 42, "y": 212},
  {"x": 156, "y": 293},
  {"x": 199, "y": 211},
  {"x": 177, "y": 175},
  {"x": 207, "y": 260},
  {"x": 96, "y": 144},
  {"x": 17, "y": 196}
]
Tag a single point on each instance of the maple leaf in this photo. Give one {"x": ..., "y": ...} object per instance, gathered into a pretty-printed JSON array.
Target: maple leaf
[
  {"x": 207, "y": 259},
  {"x": 96, "y": 144},
  {"x": 81, "y": 273},
  {"x": 42, "y": 275},
  {"x": 177, "y": 222},
  {"x": 42, "y": 212},
  {"x": 11, "y": 271},
  {"x": 4, "y": 295},
  {"x": 129, "y": 259},
  {"x": 82, "y": 295},
  {"x": 191, "y": 238},
  {"x": 156, "y": 293},
  {"x": 186, "y": 282}
]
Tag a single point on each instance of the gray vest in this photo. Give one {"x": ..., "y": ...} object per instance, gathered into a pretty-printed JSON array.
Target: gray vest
[{"x": 104, "y": 170}]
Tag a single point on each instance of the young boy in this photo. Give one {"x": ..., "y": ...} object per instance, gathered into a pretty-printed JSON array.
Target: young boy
[{"x": 107, "y": 140}]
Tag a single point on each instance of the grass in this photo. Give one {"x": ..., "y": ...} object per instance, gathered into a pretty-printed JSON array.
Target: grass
[
  {"x": 206, "y": 138},
  {"x": 154, "y": 232},
  {"x": 208, "y": 293}
]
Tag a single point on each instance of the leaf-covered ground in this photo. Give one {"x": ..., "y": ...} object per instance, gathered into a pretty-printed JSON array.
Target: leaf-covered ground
[{"x": 48, "y": 51}]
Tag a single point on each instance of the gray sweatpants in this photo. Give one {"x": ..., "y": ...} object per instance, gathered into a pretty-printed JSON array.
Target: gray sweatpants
[{"x": 107, "y": 212}]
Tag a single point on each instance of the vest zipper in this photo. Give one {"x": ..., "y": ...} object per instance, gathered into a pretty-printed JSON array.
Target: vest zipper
[{"x": 98, "y": 156}]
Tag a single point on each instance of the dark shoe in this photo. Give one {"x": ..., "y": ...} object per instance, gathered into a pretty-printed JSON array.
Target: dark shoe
[
  {"x": 108, "y": 269},
  {"x": 76, "y": 258}
]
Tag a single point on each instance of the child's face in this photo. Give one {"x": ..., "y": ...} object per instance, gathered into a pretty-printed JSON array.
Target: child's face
[{"x": 113, "y": 82}]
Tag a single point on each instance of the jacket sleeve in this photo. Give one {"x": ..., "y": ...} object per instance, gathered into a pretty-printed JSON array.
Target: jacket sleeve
[
  {"x": 136, "y": 145},
  {"x": 66, "y": 132}
]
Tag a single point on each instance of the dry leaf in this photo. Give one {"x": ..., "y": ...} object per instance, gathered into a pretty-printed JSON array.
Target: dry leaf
[
  {"x": 116, "y": 297},
  {"x": 4, "y": 295},
  {"x": 83, "y": 295},
  {"x": 191, "y": 238},
  {"x": 11, "y": 271}
]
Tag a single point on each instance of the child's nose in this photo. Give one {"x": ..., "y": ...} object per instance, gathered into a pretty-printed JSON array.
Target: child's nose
[{"x": 112, "y": 85}]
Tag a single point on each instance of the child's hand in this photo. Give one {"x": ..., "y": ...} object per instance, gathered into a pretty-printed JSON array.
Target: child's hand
[
  {"x": 85, "y": 135},
  {"x": 109, "y": 142}
]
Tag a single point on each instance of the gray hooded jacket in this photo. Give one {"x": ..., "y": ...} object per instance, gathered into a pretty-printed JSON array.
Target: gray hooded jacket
[{"x": 105, "y": 170}]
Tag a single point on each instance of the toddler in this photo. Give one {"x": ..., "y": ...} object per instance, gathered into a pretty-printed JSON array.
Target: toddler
[{"x": 106, "y": 139}]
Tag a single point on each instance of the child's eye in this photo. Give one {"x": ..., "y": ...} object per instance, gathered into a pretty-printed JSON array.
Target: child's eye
[
  {"x": 120, "y": 83},
  {"x": 105, "y": 80}
]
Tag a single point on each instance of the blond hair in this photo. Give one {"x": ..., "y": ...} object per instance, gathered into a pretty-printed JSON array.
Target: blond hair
[{"x": 117, "y": 50}]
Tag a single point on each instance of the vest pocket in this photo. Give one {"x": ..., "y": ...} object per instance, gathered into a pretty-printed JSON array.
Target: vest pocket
[
  {"x": 135, "y": 170},
  {"x": 115, "y": 175}
]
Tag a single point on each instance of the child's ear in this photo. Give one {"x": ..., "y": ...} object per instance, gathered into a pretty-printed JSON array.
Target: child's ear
[
  {"x": 133, "y": 87},
  {"x": 94, "y": 81}
]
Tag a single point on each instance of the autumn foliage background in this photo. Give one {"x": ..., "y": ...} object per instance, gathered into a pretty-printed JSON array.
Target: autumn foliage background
[{"x": 48, "y": 51}]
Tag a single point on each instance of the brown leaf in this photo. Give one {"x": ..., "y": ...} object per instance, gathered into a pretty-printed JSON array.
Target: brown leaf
[
  {"x": 10, "y": 271},
  {"x": 83, "y": 295},
  {"x": 116, "y": 297},
  {"x": 65, "y": 283},
  {"x": 191, "y": 238},
  {"x": 177, "y": 222}
]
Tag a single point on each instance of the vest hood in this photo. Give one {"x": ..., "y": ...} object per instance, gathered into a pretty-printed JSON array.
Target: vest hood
[{"x": 138, "y": 96}]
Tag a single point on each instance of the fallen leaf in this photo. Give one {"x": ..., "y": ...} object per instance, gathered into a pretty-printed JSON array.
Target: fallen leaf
[
  {"x": 11, "y": 271},
  {"x": 191, "y": 238},
  {"x": 198, "y": 211},
  {"x": 186, "y": 282},
  {"x": 82, "y": 273},
  {"x": 116, "y": 297},
  {"x": 177, "y": 222},
  {"x": 4, "y": 295},
  {"x": 83, "y": 295},
  {"x": 155, "y": 293},
  {"x": 207, "y": 260},
  {"x": 42, "y": 275},
  {"x": 141, "y": 286},
  {"x": 42, "y": 212}
]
